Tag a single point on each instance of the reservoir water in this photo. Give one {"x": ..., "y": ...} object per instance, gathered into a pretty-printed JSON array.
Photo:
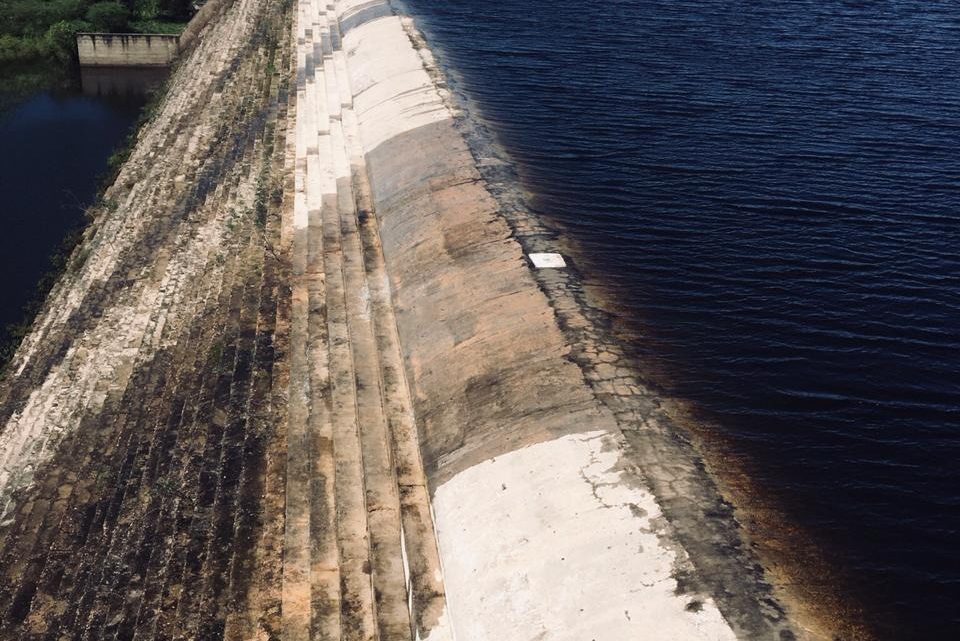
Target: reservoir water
[
  {"x": 54, "y": 147},
  {"x": 771, "y": 191}
]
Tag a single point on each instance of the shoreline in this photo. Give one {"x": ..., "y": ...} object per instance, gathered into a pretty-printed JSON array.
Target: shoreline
[
  {"x": 802, "y": 578},
  {"x": 64, "y": 256}
]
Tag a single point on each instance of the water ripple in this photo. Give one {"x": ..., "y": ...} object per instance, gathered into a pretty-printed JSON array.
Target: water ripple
[{"x": 772, "y": 189}]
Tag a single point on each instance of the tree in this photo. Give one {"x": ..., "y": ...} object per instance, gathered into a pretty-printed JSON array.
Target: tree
[
  {"x": 176, "y": 9},
  {"x": 61, "y": 38},
  {"x": 108, "y": 16}
]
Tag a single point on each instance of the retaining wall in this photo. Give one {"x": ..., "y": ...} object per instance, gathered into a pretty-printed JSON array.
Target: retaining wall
[{"x": 127, "y": 49}]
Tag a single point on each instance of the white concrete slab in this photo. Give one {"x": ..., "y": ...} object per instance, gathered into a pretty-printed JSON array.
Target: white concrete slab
[
  {"x": 547, "y": 261},
  {"x": 549, "y": 542}
]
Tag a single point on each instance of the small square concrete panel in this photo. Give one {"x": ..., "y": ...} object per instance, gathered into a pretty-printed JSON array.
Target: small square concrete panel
[{"x": 547, "y": 261}]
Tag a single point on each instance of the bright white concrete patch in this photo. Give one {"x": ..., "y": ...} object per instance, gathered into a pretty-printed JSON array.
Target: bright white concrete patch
[
  {"x": 406, "y": 571},
  {"x": 545, "y": 261},
  {"x": 392, "y": 92},
  {"x": 549, "y": 543}
]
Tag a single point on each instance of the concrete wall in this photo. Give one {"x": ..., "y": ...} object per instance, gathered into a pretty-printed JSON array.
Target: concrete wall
[{"x": 127, "y": 49}]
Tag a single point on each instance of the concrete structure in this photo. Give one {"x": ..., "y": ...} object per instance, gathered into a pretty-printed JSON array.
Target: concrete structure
[
  {"x": 127, "y": 49},
  {"x": 145, "y": 49},
  {"x": 303, "y": 382}
]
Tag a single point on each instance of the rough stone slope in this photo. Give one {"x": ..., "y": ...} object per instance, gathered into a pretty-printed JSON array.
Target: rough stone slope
[{"x": 138, "y": 436}]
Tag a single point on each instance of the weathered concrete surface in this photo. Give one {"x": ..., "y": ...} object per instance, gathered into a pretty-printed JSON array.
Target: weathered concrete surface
[
  {"x": 127, "y": 49},
  {"x": 540, "y": 557},
  {"x": 515, "y": 387}
]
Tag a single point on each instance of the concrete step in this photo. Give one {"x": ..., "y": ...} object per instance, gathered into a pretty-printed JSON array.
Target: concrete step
[
  {"x": 296, "y": 558},
  {"x": 112, "y": 576},
  {"x": 427, "y": 601},
  {"x": 87, "y": 532},
  {"x": 211, "y": 559},
  {"x": 354, "y": 593},
  {"x": 325, "y": 620},
  {"x": 424, "y": 580},
  {"x": 295, "y": 594},
  {"x": 184, "y": 449},
  {"x": 349, "y": 415},
  {"x": 225, "y": 519},
  {"x": 305, "y": 491},
  {"x": 253, "y": 573},
  {"x": 356, "y": 589},
  {"x": 156, "y": 425},
  {"x": 382, "y": 494}
]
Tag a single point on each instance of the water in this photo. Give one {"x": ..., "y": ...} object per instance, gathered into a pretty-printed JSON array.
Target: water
[
  {"x": 54, "y": 148},
  {"x": 772, "y": 191}
]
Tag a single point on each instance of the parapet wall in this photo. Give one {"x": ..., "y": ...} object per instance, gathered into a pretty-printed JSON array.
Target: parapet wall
[{"x": 127, "y": 49}]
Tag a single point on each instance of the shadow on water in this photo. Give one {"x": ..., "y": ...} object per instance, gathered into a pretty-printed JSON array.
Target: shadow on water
[{"x": 55, "y": 152}]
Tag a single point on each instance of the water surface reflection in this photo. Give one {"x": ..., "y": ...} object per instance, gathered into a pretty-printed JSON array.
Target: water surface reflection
[{"x": 54, "y": 147}]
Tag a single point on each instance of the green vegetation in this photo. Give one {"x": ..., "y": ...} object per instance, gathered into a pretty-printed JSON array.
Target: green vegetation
[
  {"x": 156, "y": 26},
  {"x": 108, "y": 16},
  {"x": 45, "y": 29},
  {"x": 38, "y": 46}
]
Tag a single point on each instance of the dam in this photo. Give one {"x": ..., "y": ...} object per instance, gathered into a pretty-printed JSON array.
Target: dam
[{"x": 304, "y": 380}]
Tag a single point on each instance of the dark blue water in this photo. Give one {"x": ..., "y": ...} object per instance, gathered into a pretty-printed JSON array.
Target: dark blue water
[
  {"x": 54, "y": 148},
  {"x": 772, "y": 190}
]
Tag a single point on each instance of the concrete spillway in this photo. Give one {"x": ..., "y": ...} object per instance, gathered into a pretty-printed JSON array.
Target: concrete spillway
[{"x": 303, "y": 382}]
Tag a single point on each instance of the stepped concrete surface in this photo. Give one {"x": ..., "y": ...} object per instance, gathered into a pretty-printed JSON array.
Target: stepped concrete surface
[{"x": 302, "y": 381}]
